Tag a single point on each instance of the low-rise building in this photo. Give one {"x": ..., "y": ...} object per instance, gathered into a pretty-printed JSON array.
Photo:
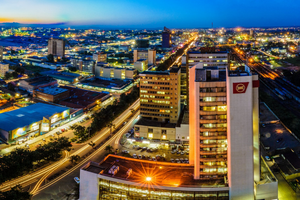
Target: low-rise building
[
  {"x": 32, "y": 120},
  {"x": 100, "y": 57},
  {"x": 63, "y": 77},
  {"x": 37, "y": 82},
  {"x": 141, "y": 65},
  {"x": 115, "y": 72},
  {"x": 84, "y": 65},
  {"x": 51, "y": 93}
]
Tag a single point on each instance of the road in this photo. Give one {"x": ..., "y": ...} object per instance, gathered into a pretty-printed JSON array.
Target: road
[
  {"x": 64, "y": 185},
  {"x": 80, "y": 150}
]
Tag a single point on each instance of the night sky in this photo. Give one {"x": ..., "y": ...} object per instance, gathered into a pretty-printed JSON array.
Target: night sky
[{"x": 153, "y": 13}]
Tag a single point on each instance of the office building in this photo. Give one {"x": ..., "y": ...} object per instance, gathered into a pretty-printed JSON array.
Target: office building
[
  {"x": 84, "y": 65},
  {"x": 31, "y": 121},
  {"x": 3, "y": 69},
  {"x": 56, "y": 47},
  {"x": 100, "y": 57},
  {"x": 1, "y": 53},
  {"x": 149, "y": 55},
  {"x": 224, "y": 127},
  {"x": 166, "y": 38},
  {"x": 115, "y": 72},
  {"x": 160, "y": 95}
]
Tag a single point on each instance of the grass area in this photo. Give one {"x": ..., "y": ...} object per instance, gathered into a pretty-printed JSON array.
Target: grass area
[
  {"x": 284, "y": 63},
  {"x": 35, "y": 69},
  {"x": 285, "y": 115}
]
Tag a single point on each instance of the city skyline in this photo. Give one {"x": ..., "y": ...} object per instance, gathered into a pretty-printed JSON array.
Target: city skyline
[{"x": 154, "y": 14}]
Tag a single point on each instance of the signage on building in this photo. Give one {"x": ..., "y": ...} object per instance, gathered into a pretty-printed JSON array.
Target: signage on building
[{"x": 240, "y": 87}]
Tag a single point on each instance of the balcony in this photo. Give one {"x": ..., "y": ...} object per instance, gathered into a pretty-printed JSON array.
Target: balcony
[
  {"x": 213, "y": 103},
  {"x": 213, "y": 137},
  {"x": 213, "y": 152},
  {"x": 213, "y": 159}
]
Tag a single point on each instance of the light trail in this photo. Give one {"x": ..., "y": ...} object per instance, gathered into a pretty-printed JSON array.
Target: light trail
[
  {"x": 28, "y": 178},
  {"x": 120, "y": 132}
]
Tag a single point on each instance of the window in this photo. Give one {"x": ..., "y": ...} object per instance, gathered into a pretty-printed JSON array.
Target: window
[
  {"x": 163, "y": 131},
  {"x": 150, "y": 135},
  {"x": 208, "y": 99},
  {"x": 209, "y": 108},
  {"x": 150, "y": 130},
  {"x": 222, "y": 108},
  {"x": 164, "y": 137}
]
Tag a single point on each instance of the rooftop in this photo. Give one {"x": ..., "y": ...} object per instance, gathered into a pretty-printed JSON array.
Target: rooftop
[
  {"x": 28, "y": 115},
  {"x": 148, "y": 122},
  {"x": 52, "y": 90},
  {"x": 161, "y": 173}
]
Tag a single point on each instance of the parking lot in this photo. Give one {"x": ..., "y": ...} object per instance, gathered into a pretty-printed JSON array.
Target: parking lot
[{"x": 155, "y": 151}]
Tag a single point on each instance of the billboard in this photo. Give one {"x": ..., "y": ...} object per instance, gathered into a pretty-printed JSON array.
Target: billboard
[{"x": 239, "y": 88}]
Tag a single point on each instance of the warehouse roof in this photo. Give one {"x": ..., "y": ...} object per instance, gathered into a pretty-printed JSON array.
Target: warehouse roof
[{"x": 28, "y": 115}]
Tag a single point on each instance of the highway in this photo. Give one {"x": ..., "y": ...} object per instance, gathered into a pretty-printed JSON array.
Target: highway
[
  {"x": 60, "y": 187},
  {"x": 97, "y": 139}
]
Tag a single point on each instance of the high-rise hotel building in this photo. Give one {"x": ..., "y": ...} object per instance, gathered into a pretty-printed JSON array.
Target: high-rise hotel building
[
  {"x": 56, "y": 47},
  {"x": 224, "y": 127}
]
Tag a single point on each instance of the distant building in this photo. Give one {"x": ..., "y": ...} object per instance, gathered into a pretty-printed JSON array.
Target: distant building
[
  {"x": 56, "y": 47},
  {"x": 37, "y": 82},
  {"x": 149, "y": 54},
  {"x": 1, "y": 53},
  {"x": 115, "y": 72},
  {"x": 30, "y": 121},
  {"x": 3, "y": 68},
  {"x": 141, "y": 65},
  {"x": 51, "y": 94},
  {"x": 166, "y": 38},
  {"x": 100, "y": 57},
  {"x": 84, "y": 65}
]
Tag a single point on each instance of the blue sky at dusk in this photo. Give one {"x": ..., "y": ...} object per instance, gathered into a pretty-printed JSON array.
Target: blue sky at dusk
[{"x": 154, "y": 13}]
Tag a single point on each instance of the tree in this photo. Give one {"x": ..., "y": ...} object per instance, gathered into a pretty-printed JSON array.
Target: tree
[
  {"x": 111, "y": 126},
  {"x": 72, "y": 69},
  {"x": 79, "y": 131},
  {"x": 50, "y": 58},
  {"x": 109, "y": 148},
  {"x": 92, "y": 144},
  {"x": 15, "y": 193},
  {"x": 7, "y": 76},
  {"x": 75, "y": 158}
]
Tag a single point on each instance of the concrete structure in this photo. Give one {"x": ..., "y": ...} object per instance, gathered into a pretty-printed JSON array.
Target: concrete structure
[
  {"x": 149, "y": 55},
  {"x": 83, "y": 99},
  {"x": 37, "y": 82},
  {"x": 1, "y": 53},
  {"x": 84, "y": 65},
  {"x": 63, "y": 77},
  {"x": 141, "y": 65},
  {"x": 209, "y": 57},
  {"x": 56, "y": 47},
  {"x": 100, "y": 57},
  {"x": 3, "y": 68},
  {"x": 166, "y": 38},
  {"x": 160, "y": 95},
  {"x": 51, "y": 94},
  {"x": 115, "y": 72},
  {"x": 30, "y": 121},
  {"x": 224, "y": 131}
]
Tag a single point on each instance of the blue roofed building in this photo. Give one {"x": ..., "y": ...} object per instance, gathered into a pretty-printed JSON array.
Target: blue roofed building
[
  {"x": 63, "y": 77},
  {"x": 31, "y": 121}
]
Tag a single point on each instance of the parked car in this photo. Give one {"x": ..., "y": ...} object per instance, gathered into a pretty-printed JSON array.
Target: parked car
[
  {"x": 77, "y": 180},
  {"x": 134, "y": 156},
  {"x": 144, "y": 148},
  {"x": 174, "y": 151},
  {"x": 267, "y": 158},
  {"x": 183, "y": 152},
  {"x": 178, "y": 152},
  {"x": 143, "y": 156},
  {"x": 172, "y": 160},
  {"x": 154, "y": 159},
  {"x": 140, "y": 157}
]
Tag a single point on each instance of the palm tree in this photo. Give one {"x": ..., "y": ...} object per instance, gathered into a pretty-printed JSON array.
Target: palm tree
[{"x": 109, "y": 148}]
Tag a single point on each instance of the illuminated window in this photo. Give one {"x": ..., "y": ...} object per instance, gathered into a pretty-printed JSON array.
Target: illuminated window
[
  {"x": 112, "y": 73},
  {"x": 150, "y": 135},
  {"x": 160, "y": 92},
  {"x": 143, "y": 91},
  {"x": 123, "y": 74},
  {"x": 164, "y": 137},
  {"x": 222, "y": 108},
  {"x": 209, "y": 98},
  {"x": 101, "y": 72},
  {"x": 209, "y": 108},
  {"x": 191, "y": 61},
  {"x": 144, "y": 100}
]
